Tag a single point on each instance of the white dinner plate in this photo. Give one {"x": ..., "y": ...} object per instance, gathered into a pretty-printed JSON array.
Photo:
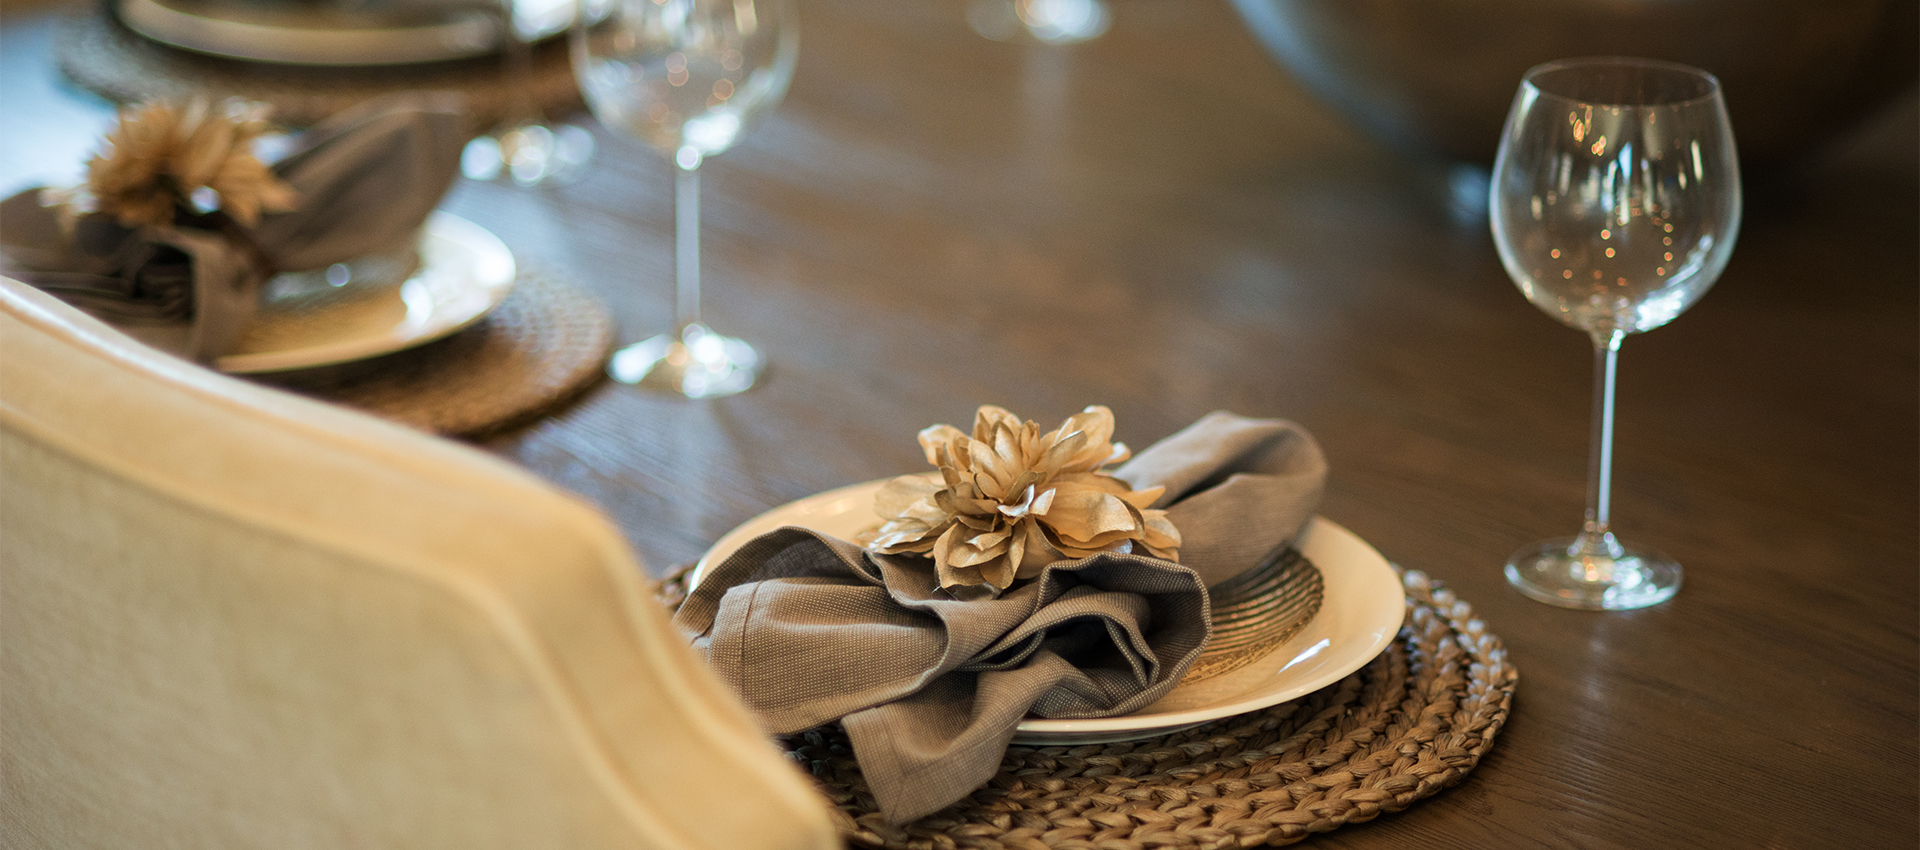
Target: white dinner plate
[
  {"x": 1360, "y": 612},
  {"x": 463, "y": 273}
]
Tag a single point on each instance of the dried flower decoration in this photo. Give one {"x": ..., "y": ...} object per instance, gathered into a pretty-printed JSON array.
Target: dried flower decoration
[
  {"x": 162, "y": 158},
  {"x": 1012, "y": 500}
]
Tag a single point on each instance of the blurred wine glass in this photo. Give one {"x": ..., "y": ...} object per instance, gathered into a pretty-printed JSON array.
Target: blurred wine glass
[
  {"x": 687, "y": 77},
  {"x": 1048, "y": 21},
  {"x": 1614, "y": 205},
  {"x": 526, "y": 148}
]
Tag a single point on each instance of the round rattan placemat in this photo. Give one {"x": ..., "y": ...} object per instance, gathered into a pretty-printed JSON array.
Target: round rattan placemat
[
  {"x": 546, "y": 342},
  {"x": 1411, "y": 723},
  {"x": 100, "y": 55}
]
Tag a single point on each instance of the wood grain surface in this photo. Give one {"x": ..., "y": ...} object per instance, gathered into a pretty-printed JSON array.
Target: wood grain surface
[{"x": 1163, "y": 222}]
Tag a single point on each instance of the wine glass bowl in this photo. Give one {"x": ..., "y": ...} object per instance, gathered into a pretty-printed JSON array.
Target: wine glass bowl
[
  {"x": 1617, "y": 192},
  {"x": 687, "y": 78},
  {"x": 1614, "y": 205}
]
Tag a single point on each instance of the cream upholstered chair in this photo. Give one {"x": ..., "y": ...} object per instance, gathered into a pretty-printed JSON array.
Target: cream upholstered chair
[{"x": 231, "y": 617}]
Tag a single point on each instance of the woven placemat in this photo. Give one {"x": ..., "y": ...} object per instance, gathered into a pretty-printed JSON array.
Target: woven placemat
[
  {"x": 101, "y": 55},
  {"x": 1412, "y": 722},
  {"x": 546, "y": 342}
]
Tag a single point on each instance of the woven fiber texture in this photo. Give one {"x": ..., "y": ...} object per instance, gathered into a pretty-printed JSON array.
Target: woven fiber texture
[
  {"x": 1411, "y": 723},
  {"x": 100, "y": 55},
  {"x": 545, "y": 343}
]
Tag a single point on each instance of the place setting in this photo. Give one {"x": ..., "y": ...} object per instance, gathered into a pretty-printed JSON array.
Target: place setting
[
  {"x": 1050, "y": 627},
  {"x": 329, "y": 272}
]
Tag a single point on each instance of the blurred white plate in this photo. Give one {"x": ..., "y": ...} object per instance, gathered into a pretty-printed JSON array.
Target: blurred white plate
[
  {"x": 1360, "y": 612},
  {"x": 463, "y": 273},
  {"x": 308, "y": 34}
]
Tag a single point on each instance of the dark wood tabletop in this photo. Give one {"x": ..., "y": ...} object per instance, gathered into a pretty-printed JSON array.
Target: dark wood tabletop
[{"x": 1164, "y": 222}]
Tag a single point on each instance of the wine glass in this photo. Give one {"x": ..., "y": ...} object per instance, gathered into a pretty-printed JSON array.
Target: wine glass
[
  {"x": 1614, "y": 204},
  {"x": 525, "y": 148},
  {"x": 533, "y": 152},
  {"x": 687, "y": 77},
  {"x": 1046, "y": 21}
]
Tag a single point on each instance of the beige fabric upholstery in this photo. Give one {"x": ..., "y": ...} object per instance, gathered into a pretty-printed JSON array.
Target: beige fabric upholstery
[{"x": 230, "y": 617}]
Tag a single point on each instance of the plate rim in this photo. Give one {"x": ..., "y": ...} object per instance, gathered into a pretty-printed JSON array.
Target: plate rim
[
  {"x": 489, "y": 253},
  {"x": 471, "y": 35},
  {"x": 1363, "y": 572}
]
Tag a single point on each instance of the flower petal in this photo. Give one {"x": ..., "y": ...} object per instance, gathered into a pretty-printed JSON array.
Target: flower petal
[
  {"x": 1059, "y": 456},
  {"x": 1035, "y": 552},
  {"x": 1042, "y": 503},
  {"x": 899, "y": 495},
  {"x": 936, "y": 438},
  {"x": 995, "y": 474},
  {"x": 998, "y": 572},
  {"x": 989, "y": 417},
  {"x": 1082, "y": 515},
  {"x": 978, "y": 549},
  {"x": 1143, "y": 499},
  {"x": 1096, "y": 422},
  {"x": 1160, "y": 531},
  {"x": 1020, "y": 508}
]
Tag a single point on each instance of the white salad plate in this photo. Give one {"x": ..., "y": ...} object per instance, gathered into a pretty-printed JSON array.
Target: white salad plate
[
  {"x": 463, "y": 272},
  {"x": 351, "y": 35},
  {"x": 1361, "y": 610}
]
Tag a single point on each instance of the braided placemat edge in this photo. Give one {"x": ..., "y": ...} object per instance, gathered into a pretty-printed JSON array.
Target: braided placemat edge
[{"x": 541, "y": 348}]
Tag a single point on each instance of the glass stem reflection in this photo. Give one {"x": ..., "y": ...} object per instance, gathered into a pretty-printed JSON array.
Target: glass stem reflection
[
  {"x": 1596, "y": 547},
  {"x": 686, "y": 243}
]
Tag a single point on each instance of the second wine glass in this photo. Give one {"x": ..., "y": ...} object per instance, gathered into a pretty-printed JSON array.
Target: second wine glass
[
  {"x": 1615, "y": 202},
  {"x": 686, "y": 77}
]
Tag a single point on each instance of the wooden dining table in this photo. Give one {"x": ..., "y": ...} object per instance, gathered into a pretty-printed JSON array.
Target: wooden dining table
[{"x": 1161, "y": 220}]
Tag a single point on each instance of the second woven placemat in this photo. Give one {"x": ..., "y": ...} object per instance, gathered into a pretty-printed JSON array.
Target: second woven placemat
[
  {"x": 1409, "y": 724},
  {"x": 548, "y": 341}
]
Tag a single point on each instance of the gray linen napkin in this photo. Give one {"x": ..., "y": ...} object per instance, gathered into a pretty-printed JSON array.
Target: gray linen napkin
[
  {"x": 810, "y": 629},
  {"x": 366, "y": 177}
]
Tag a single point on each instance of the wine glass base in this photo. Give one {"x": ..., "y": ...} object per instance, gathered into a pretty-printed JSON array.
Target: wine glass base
[
  {"x": 1554, "y": 572},
  {"x": 530, "y": 154},
  {"x": 697, "y": 364},
  {"x": 1044, "y": 21}
]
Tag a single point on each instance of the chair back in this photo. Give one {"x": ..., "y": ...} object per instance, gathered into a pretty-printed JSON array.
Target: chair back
[{"x": 233, "y": 617}]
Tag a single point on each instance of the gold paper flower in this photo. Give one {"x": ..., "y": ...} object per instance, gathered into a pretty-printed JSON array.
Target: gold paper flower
[
  {"x": 161, "y": 154},
  {"x": 1012, "y": 500}
]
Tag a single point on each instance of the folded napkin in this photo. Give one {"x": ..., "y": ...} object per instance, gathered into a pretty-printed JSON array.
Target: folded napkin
[
  {"x": 810, "y": 629},
  {"x": 364, "y": 181}
]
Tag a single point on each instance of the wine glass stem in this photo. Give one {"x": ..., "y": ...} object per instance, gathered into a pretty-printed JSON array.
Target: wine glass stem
[
  {"x": 686, "y": 232},
  {"x": 519, "y": 64},
  {"x": 1596, "y": 538}
]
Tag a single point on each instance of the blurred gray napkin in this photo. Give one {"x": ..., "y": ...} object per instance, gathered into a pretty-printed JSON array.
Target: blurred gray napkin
[
  {"x": 367, "y": 178},
  {"x": 810, "y": 629}
]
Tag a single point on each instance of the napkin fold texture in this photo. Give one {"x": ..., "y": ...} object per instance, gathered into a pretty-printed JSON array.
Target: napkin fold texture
[
  {"x": 1238, "y": 489},
  {"x": 366, "y": 179},
  {"x": 809, "y": 629}
]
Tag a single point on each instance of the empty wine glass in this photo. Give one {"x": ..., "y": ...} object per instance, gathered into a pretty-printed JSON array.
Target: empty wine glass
[
  {"x": 687, "y": 77},
  {"x": 1615, "y": 202},
  {"x": 525, "y": 148}
]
